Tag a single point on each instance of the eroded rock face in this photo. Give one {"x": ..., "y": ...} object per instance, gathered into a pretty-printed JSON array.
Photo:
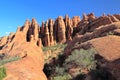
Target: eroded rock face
[
  {"x": 98, "y": 32},
  {"x": 107, "y": 48},
  {"x": 47, "y": 36},
  {"x": 69, "y": 28},
  {"x": 61, "y": 30},
  {"x": 51, "y": 36},
  {"x": 89, "y": 22},
  {"x": 29, "y": 67},
  {"x": 3, "y": 41},
  {"x": 32, "y": 62},
  {"x": 75, "y": 20},
  {"x": 29, "y": 39}
]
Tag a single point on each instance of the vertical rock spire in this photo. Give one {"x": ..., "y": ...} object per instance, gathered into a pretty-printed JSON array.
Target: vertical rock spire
[
  {"x": 85, "y": 16},
  {"x": 61, "y": 30},
  {"x": 46, "y": 37},
  {"x": 51, "y": 23}
]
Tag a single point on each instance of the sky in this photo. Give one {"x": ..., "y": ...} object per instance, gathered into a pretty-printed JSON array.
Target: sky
[{"x": 13, "y": 13}]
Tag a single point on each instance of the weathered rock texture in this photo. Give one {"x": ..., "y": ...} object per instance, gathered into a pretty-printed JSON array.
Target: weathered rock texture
[
  {"x": 106, "y": 30},
  {"x": 29, "y": 67},
  {"x": 26, "y": 44},
  {"x": 106, "y": 45},
  {"x": 61, "y": 30},
  {"x": 29, "y": 39}
]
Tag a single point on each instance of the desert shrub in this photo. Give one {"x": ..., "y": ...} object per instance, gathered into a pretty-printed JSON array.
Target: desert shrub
[
  {"x": 62, "y": 77},
  {"x": 10, "y": 59},
  {"x": 55, "y": 47},
  {"x": 110, "y": 33},
  {"x": 59, "y": 70},
  {"x": 56, "y": 50},
  {"x": 82, "y": 58},
  {"x": 2, "y": 73}
]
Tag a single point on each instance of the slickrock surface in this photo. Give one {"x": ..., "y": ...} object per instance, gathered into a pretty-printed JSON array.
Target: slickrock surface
[
  {"x": 29, "y": 67},
  {"x": 78, "y": 33}
]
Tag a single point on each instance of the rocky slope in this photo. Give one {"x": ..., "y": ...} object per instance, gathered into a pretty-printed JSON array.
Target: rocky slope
[
  {"x": 29, "y": 67},
  {"x": 78, "y": 33}
]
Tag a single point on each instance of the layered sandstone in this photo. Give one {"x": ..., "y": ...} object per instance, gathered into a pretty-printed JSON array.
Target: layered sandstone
[
  {"x": 98, "y": 32},
  {"x": 25, "y": 43},
  {"x": 108, "y": 51},
  {"x": 29, "y": 67},
  {"x": 29, "y": 38},
  {"x": 61, "y": 30}
]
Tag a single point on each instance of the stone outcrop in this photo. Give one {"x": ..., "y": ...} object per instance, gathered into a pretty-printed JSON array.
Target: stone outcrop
[
  {"x": 3, "y": 41},
  {"x": 29, "y": 67},
  {"x": 90, "y": 22},
  {"x": 78, "y": 33},
  {"x": 69, "y": 28},
  {"x": 47, "y": 37},
  {"x": 26, "y": 44},
  {"x": 50, "y": 27},
  {"x": 61, "y": 30},
  {"x": 98, "y": 32},
  {"x": 75, "y": 21},
  {"x": 108, "y": 50}
]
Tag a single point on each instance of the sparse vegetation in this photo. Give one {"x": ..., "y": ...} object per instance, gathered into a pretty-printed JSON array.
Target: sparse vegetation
[
  {"x": 2, "y": 72},
  {"x": 62, "y": 77},
  {"x": 110, "y": 33},
  {"x": 82, "y": 58},
  {"x": 56, "y": 50},
  {"x": 10, "y": 59},
  {"x": 55, "y": 47},
  {"x": 60, "y": 74},
  {"x": 59, "y": 68},
  {"x": 3, "y": 60}
]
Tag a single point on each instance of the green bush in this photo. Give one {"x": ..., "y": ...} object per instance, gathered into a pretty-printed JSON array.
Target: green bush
[
  {"x": 82, "y": 58},
  {"x": 63, "y": 77},
  {"x": 2, "y": 73},
  {"x": 59, "y": 70}
]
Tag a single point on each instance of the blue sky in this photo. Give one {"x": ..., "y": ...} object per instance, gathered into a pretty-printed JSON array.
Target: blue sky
[{"x": 13, "y": 13}]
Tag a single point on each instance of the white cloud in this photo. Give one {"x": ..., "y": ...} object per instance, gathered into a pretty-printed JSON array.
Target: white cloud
[{"x": 7, "y": 33}]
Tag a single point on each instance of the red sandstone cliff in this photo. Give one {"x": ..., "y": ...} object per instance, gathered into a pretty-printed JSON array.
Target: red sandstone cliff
[
  {"x": 29, "y": 39},
  {"x": 61, "y": 30}
]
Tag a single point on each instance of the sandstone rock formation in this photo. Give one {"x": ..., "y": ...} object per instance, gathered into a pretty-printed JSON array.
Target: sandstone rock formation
[
  {"x": 47, "y": 37},
  {"x": 90, "y": 22},
  {"x": 75, "y": 21},
  {"x": 60, "y": 25},
  {"x": 108, "y": 48},
  {"x": 25, "y": 44},
  {"x": 50, "y": 27},
  {"x": 62, "y": 29},
  {"x": 98, "y": 32},
  {"x": 69, "y": 28},
  {"x": 106, "y": 45},
  {"x": 29, "y": 67},
  {"x": 78, "y": 33}
]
